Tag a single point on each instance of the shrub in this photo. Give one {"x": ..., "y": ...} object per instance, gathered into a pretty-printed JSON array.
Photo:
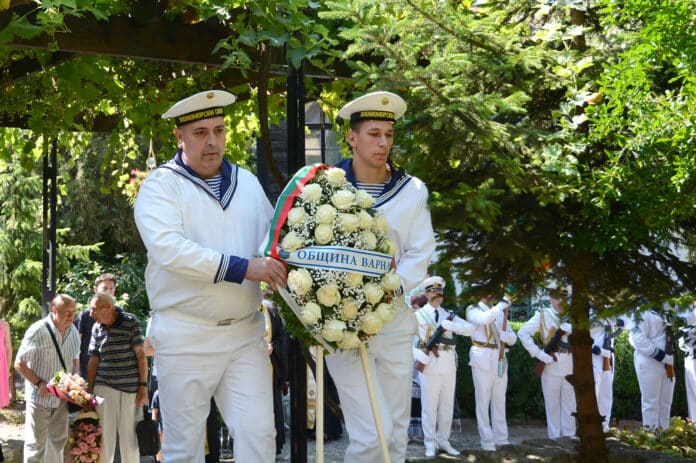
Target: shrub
[{"x": 678, "y": 440}]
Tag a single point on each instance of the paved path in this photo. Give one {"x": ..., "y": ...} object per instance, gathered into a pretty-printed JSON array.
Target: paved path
[{"x": 463, "y": 437}]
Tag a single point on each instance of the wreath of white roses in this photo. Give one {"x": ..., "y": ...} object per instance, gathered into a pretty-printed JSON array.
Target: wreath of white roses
[{"x": 324, "y": 224}]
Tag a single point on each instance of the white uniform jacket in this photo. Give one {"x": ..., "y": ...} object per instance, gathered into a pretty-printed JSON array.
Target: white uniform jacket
[
  {"x": 444, "y": 362},
  {"x": 485, "y": 349},
  {"x": 546, "y": 322},
  {"x": 198, "y": 246},
  {"x": 649, "y": 336},
  {"x": 598, "y": 332}
]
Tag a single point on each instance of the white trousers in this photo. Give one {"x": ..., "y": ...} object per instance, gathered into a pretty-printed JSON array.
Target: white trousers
[
  {"x": 437, "y": 408},
  {"x": 656, "y": 391},
  {"x": 559, "y": 397},
  {"x": 45, "y": 433},
  {"x": 690, "y": 380},
  {"x": 230, "y": 363},
  {"x": 604, "y": 383},
  {"x": 390, "y": 357},
  {"x": 118, "y": 415},
  {"x": 489, "y": 390}
]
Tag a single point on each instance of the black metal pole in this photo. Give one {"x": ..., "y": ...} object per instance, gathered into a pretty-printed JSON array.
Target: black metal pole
[
  {"x": 298, "y": 366},
  {"x": 48, "y": 270}
]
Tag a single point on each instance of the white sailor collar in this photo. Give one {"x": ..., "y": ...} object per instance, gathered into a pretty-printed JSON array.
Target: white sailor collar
[{"x": 228, "y": 186}]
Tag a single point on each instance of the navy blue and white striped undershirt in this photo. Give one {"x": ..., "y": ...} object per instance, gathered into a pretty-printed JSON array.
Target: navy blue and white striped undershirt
[
  {"x": 374, "y": 189},
  {"x": 214, "y": 184}
]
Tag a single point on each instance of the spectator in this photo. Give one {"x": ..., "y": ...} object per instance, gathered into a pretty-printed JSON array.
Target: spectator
[
  {"x": 117, "y": 371},
  {"x": 277, "y": 341},
  {"x": 5, "y": 362},
  {"x": 46, "y": 421},
  {"x": 105, "y": 283},
  {"x": 415, "y": 427}
]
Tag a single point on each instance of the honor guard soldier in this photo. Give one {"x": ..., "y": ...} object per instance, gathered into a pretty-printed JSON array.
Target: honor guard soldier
[
  {"x": 488, "y": 362},
  {"x": 687, "y": 343},
  {"x": 436, "y": 360},
  {"x": 202, "y": 220},
  {"x": 555, "y": 362},
  {"x": 603, "y": 333},
  {"x": 403, "y": 201},
  {"x": 653, "y": 358}
]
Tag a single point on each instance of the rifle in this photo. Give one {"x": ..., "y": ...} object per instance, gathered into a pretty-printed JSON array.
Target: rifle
[
  {"x": 550, "y": 348},
  {"x": 430, "y": 343},
  {"x": 669, "y": 350},
  {"x": 501, "y": 354},
  {"x": 606, "y": 366}
]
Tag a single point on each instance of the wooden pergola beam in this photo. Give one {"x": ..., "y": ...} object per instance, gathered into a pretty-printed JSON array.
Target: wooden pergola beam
[{"x": 155, "y": 40}]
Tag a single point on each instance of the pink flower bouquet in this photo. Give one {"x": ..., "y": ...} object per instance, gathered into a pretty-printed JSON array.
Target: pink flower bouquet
[
  {"x": 72, "y": 388},
  {"x": 85, "y": 438}
]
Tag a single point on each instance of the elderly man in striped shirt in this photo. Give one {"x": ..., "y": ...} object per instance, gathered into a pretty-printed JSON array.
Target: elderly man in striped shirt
[
  {"x": 117, "y": 371},
  {"x": 46, "y": 422}
]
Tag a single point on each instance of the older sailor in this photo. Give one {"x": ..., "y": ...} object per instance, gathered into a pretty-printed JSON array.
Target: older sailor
[{"x": 202, "y": 220}]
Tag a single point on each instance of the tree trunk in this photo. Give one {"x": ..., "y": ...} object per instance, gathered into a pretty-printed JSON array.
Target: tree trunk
[{"x": 592, "y": 441}]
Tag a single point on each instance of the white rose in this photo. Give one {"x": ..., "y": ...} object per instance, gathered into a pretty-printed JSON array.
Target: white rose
[
  {"x": 349, "y": 308},
  {"x": 300, "y": 281},
  {"x": 311, "y": 313},
  {"x": 336, "y": 177},
  {"x": 348, "y": 222},
  {"x": 311, "y": 193},
  {"x": 385, "y": 311},
  {"x": 353, "y": 279},
  {"x": 291, "y": 242},
  {"x": 373, "y": 293},
  {"x": 380, "y": 224},
  {"x": 391, "y": 281},
  {"x": 372, "y": 323},
  {"x": 350, "y": 340},
  {"x": 368, "y": 239},
  {"x": 329, "y": 295},
  {"x": 364, "y": 199},
  {"x": 333, "y": 330},
  {"x": 323, "y": 233},
  {"x": 388, "y": 247},
  {"x": 326, "y": 213},
  {"x": 296, "y": 215},
  {"x": 366, "y": 220},
  {"x": 343, "y": 199}
]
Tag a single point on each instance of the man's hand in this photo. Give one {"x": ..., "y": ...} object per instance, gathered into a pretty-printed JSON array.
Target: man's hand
[
  {"x": 141, "y": 397},
  {"x": 267, "y": 269},
  {"x": 420, "y": 366}
]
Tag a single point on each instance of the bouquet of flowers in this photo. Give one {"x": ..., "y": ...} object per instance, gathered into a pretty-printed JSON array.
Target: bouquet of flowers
[
  {"x": 72, "y": 388},
  {"x": 85, "y": 438},
  {"x": 341, "y": 279}
]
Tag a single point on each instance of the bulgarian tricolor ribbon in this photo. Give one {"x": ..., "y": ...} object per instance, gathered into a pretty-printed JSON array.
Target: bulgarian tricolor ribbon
[{"x": 284, "y": 204}]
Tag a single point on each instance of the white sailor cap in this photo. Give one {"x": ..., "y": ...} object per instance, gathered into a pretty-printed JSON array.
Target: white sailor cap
[
  {"x": 555, "y": 288},
  {"x": 435, "y": 283},
  {"x": 380, "y": 106},
  {"x": 202, "y": 105}
]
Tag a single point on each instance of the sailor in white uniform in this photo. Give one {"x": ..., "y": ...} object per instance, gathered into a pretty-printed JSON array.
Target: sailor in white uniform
[{"x": 202, "y": 220}]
